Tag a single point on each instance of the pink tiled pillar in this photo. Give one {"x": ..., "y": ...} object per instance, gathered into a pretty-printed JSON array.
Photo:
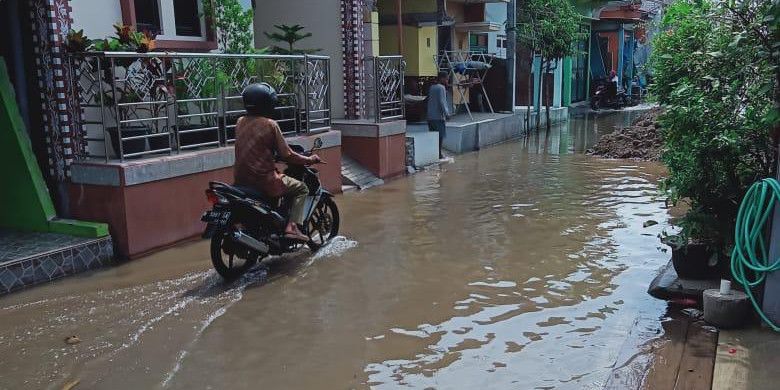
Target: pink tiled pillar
[
  {"x": 353, "y": 55},
  {"x": 51, "y": 21}
]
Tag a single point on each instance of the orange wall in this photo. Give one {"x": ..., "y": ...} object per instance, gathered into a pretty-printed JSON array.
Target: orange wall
[
  {"x": 146, "y": 217},
  {"x": 385, "y": 157},
  {"x": 613, "y": 47}
]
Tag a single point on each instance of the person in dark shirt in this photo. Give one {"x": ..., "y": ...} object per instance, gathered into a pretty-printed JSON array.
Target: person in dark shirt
[{"x": 258, "y": 140}]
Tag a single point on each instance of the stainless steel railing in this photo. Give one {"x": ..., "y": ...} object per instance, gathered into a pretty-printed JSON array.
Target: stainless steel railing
[
  {"x": 138, "y": 104},
  {"x": 386, "y": 99}
]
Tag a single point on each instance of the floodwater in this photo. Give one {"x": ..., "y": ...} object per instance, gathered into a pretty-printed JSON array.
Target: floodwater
[{"x": 521, "y": 266}]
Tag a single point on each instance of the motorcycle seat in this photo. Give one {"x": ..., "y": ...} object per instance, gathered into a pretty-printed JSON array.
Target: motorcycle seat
[{"x": 246, "y": 192}]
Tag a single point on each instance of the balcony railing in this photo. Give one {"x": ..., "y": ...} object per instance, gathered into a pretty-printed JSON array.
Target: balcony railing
[
  {"x": 386, "y": 77},
  {"x": 140, "y": 104}
]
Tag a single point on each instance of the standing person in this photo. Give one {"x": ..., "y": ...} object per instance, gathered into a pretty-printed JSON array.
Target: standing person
[
  {"x": 613, "y": 78},
  {"x": 438, "y": 109},
  {"x": 258, "y": 140}
]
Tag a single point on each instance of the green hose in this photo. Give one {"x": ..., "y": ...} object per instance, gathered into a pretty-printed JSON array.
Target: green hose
[{"x": 750, "y": 247}]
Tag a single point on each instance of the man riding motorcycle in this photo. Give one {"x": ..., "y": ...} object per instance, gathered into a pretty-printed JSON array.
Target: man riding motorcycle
[{"x": 258, "y": 141}]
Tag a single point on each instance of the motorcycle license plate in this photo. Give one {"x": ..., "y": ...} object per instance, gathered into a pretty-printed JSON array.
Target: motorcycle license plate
[{"x": 216, "y": 217}]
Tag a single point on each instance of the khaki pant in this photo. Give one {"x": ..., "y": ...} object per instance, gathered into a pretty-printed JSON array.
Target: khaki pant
[{"x": 296, "y": 195}]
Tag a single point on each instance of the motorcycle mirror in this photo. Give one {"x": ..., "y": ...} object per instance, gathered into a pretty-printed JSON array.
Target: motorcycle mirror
[{"x": 317, "y": 143}]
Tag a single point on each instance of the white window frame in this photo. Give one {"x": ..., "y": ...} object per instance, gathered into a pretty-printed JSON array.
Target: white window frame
[{"x": 168, "y": 23}]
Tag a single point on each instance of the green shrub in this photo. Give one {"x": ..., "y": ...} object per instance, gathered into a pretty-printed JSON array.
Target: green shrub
[{"x": 715, "y": 80}]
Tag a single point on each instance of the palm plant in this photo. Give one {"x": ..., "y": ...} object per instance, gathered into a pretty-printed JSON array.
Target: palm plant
[{"x": 289, "y": 35}]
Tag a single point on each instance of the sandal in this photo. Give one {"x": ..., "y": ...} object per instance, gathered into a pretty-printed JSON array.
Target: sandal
[{"x": 297, "y": 237}]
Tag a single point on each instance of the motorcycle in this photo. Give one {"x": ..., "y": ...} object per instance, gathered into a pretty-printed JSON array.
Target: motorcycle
[
  {"x": 245, "y": 227},
  {"x": 607, "y": 95}
]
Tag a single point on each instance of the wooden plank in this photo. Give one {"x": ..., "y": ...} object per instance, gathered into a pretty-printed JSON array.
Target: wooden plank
[
  {"x": 666, "y": 362},
  {"x": 747, "y": 359},
  {"x": 698, "y": 359}
]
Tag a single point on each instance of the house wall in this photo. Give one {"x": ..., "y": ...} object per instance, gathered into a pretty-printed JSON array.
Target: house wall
[
  {"x": 408, "y": 6},
  {"x": 322, "y": 18},
  {"x": 496, "y": 12},
  {"x": 96, "y": 18},
  {"x": 154, "y": 203},
  {"x": 419, "y": 55}
]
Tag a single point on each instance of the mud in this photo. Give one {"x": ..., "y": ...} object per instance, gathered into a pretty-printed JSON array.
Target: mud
[{"x": 641, "y": 140}]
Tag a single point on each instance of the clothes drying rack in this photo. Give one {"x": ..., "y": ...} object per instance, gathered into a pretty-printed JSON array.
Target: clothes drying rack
[{"x": 462, "y": 65}]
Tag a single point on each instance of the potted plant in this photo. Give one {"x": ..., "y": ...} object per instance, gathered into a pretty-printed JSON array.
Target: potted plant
[
  {"x": 125, "y": 39},
  {"x": 715, "y": 124},
  {"x": 698, "y": 251}
]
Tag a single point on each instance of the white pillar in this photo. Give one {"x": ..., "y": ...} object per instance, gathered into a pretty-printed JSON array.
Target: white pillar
[{"x": 558, "y": 81}]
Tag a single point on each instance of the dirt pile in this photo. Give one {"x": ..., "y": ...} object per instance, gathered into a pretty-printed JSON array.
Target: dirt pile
[{"x": 642, "y": 140}]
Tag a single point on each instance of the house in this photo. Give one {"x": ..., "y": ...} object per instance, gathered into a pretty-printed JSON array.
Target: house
[
  {"x": 618, "y": 29},
  {"x": 367, "y": 86},
  {"x": 131, "y": 139}
]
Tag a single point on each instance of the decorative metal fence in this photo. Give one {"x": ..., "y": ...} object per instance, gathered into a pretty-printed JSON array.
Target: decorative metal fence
[
  {"x": 386, "y": 99},
  {"x": 139, "y": 104}
]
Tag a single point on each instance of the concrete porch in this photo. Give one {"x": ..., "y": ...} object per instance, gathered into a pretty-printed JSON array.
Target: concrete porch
[{"x": 467, "y": 133}]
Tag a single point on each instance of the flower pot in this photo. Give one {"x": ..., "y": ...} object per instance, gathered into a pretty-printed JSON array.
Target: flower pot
[
  {"x": 698, "y": 261},
  {"x": 128, "y": 146}
]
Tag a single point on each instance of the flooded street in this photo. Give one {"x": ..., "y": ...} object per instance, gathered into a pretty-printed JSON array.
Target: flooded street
[{"x": 523, "y": 265}]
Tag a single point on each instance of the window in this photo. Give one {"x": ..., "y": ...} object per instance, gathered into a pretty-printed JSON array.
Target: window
[
  {"x": 187, "y": 17},
  {"x": 147, "y": 16},
  {"x": 168, "y": 20}
]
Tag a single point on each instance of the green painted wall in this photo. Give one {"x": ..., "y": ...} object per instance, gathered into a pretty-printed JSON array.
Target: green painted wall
[
  {"x": 567, "y": 82},
  {"x": 25, "y": 203}
]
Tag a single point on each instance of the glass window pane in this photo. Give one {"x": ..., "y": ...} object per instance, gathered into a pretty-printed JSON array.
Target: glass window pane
[
  {"x": 147, "y": 16},
  {"x": 187, "y": 17}
]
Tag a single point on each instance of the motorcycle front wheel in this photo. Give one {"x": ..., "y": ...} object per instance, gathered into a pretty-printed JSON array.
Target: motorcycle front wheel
[
  {"x": 323, "y": 224},
  {"x": 225, "y": 259}
]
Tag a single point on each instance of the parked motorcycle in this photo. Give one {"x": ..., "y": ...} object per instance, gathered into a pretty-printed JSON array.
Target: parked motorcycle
[
  {"x": 244, "y": 227},
  {"x": 607, "y": 95}
]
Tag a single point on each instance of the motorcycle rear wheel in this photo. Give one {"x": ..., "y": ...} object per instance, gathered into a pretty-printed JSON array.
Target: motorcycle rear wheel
[
  {"x": 224, "y": 262},
  {"x": 323, "y": 224}
]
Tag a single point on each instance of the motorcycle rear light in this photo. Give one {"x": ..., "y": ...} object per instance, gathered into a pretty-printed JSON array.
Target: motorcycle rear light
[{"x": 212, "y": 197}]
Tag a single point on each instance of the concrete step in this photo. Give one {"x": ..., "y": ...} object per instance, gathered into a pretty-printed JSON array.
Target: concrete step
[{"x": 352, "y": 173}]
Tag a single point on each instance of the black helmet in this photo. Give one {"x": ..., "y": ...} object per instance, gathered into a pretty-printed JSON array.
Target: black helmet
[{"x": 260, "y": 99}]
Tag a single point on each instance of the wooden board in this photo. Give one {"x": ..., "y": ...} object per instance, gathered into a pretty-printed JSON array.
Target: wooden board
[
  {"x": 747, "y": 360},
  {"x": 666, "y": 363},
  {"x": 698, "y": 359}
]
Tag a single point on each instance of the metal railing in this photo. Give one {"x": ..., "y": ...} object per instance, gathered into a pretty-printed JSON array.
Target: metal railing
[
  {"x": 138, "y": 104},
  {"x": 386, "y": 99}
]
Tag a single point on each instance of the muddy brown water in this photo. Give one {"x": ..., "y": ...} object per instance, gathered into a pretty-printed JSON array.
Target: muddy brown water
[{"x": 521, "y": 266}]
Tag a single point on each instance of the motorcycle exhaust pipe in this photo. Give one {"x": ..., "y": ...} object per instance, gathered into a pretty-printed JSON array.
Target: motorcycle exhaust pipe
[{"x": 249, "y": 241}]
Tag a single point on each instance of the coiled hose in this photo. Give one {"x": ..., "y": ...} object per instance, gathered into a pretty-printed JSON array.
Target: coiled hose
[{"x": 751, "y": 251}]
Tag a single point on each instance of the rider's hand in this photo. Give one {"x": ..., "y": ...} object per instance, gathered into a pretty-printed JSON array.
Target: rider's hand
[{"x": 314, "y": 159}]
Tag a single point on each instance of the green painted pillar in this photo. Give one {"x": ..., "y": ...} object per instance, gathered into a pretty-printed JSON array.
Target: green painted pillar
[
  {"x": 567, "y": 84},
  {"x": 621, "y": 48},
  {"x": 25, "y": 203}
]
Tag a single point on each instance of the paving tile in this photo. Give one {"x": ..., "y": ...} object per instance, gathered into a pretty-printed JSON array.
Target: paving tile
[{"x": 46, "y": 257}]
